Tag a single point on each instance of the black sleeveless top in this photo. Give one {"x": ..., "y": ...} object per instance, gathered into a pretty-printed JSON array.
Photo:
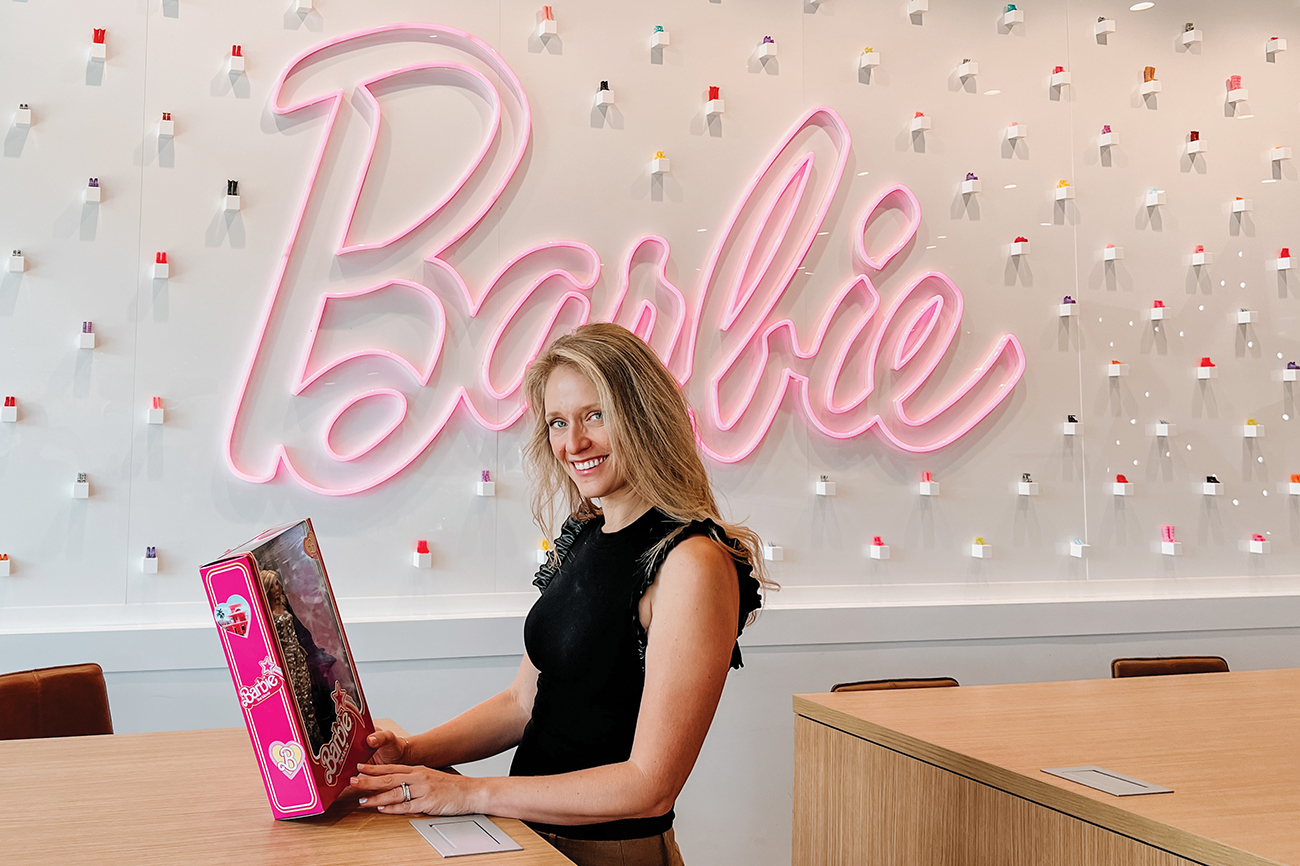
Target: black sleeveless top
[{"x": 584, "y": 636}]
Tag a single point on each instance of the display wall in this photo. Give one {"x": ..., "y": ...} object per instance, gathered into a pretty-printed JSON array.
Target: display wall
[
  {"x": 418, "y": 216},
  {"x": 429, "y": 190}
]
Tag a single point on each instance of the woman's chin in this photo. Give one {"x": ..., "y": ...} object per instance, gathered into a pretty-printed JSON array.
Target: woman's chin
[
  {"x": 592, "y": 491},
  {"x": 592, "y": 488}
]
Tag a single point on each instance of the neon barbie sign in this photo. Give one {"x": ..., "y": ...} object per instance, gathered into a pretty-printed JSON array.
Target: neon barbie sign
[{"x": 360, "y": 366}]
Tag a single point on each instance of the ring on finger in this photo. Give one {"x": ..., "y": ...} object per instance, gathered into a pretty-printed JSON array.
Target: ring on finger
[{"x": 406, "y": 789}]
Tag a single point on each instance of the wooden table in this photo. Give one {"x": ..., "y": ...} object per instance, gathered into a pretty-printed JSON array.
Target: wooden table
[
  {"x": 189, "y": 798},
  {"x": 954, "y": 776}
]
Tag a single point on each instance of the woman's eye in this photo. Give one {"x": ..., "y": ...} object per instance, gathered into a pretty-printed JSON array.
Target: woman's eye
[
  {"x": 556, "y": 424},
  {"x": 596, "y": 418}
]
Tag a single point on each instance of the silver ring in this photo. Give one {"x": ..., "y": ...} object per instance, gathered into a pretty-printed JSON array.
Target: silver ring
[{"x": 406, "y": 789}]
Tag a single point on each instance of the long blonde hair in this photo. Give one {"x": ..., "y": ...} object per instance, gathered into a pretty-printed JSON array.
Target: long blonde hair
[{"x": 650, "y": 435}]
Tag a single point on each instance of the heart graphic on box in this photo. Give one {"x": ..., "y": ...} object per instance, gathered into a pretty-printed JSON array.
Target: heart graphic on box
[
  {"x": 287, "y": 756},
  {"x": 232, "y": 615}
]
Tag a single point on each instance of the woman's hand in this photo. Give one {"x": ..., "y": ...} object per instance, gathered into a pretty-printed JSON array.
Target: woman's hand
[
  {"x": 389, "y": 747},
  {"x": 431, "y": 792}
]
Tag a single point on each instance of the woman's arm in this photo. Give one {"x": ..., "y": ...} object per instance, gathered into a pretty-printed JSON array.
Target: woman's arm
[
  {"x": 693, "y": 608},
  {"x": 480, "y": 732}
]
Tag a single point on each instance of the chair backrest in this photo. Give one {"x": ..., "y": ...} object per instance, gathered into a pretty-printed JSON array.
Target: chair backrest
[
  {"x": 879, "y": 685},
  {"x": 1158, "y": 666},
  {"x": 69, "y": 701}
]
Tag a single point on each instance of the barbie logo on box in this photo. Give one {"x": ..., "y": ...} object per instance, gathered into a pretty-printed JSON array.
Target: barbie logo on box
[{"x": 292, "y": 669}]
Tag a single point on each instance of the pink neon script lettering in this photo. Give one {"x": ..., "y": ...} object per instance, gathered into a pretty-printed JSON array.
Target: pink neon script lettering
[{"x": 350, "y": 379}]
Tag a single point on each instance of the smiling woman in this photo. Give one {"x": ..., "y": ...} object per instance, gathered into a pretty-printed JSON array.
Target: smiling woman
[
  {"x": 576, "y": 427},
  {"x": 627, "y": 650}
]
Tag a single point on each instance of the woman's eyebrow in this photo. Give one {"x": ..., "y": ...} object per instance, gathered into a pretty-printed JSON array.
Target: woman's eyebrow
[{"x": 552, "y": 413}]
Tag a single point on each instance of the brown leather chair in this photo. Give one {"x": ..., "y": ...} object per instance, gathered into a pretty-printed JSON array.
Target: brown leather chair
[
  {"x": 69, "y": 701},
  {"x": 1158, "y": 667},
  {"x": 880, "y": 685}
]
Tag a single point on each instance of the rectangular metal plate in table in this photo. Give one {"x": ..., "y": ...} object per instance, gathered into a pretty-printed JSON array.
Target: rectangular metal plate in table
[
  {"x": 1108, "y": 780},
  {"x": 460, "y": 835}
]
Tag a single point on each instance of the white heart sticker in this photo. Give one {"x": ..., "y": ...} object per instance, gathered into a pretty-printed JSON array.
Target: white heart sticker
[{"x": 287, "y": 756}]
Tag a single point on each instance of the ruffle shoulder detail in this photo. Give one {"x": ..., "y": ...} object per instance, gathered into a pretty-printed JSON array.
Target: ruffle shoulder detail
[
  {"x": 751, "y": 597},
  {"x": 560, "y": 547}
]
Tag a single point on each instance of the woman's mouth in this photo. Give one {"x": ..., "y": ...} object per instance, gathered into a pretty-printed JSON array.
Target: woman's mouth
[{"x": 588, "y": 465}]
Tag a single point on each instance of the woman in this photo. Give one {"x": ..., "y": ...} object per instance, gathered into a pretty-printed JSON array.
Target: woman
[{"x": 629, "y": 645}]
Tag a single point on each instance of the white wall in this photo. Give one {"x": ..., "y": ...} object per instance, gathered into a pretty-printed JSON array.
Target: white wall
[{"x": 432, "y": 642}]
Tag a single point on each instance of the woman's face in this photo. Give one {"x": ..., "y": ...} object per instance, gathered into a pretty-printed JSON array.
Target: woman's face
[{"x": 579, "y": 438}]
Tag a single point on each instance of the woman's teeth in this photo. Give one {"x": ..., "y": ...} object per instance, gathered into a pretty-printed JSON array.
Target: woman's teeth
[{"x": 589, "y": 464}]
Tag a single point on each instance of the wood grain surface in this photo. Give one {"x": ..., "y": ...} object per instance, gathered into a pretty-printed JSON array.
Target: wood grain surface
[
  {"x": 1227, "y": 743},
  {"x": 189, "y": 798},
  {"x": 860, "y": 804}
]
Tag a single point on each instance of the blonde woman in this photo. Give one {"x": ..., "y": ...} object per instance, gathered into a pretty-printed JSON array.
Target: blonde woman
[{"x": 629, "y": 645}]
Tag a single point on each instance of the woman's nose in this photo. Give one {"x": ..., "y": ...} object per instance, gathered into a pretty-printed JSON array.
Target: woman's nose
[{"x": 578, "y": 439}]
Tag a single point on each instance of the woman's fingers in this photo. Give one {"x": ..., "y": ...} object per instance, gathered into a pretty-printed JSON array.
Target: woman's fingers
[
  {"x": 401, "y": 807},
  {"x": 388, "y": 746},
  {"x": 382, "y": 790},
  {"x": 380, "y": 786},
  {"x": 384, "y": 799},
  {"x": 364, "y": 782}
]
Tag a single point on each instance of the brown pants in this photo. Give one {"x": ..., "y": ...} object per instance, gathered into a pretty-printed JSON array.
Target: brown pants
[{"x": 658, "y": 850}]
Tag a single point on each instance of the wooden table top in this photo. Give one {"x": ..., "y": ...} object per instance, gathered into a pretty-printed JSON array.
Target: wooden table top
[
  {"x": 191, "y": 798},
  {"x": 1228, "y": 744}
]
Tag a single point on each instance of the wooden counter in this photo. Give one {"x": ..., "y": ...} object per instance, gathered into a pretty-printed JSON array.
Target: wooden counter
[
  {"x": 190, "y": 798},
  {"x": 953, "y": 776}
]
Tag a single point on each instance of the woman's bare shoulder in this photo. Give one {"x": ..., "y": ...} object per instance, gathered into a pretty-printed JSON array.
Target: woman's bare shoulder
[{"x": 694, "y": 558}]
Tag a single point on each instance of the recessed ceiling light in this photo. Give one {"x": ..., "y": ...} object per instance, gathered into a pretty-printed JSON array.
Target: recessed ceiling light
[
  {"x": 1009, "y": 186},
  {"x": 701, "y": 230},
  {"x": 992, "y": 92},
  {"x": 863, "y": 173},
  {"x": 1269, "y": 180},
  {"x": 1139, "y": 7}
]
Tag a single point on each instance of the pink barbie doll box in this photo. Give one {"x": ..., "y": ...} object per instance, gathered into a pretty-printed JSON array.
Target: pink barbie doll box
[{"x": 293, "y": 671}]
